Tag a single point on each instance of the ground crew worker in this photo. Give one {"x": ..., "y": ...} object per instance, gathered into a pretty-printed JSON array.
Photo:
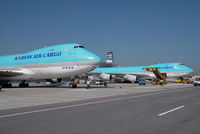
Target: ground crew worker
[
  {"x": 105, "y": 83},
  {"x": 88, "y": 84}
]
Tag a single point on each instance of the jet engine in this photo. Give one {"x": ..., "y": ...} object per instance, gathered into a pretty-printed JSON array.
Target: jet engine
[
  {"x": 59, "y": 80},
  {"x": 106, "y": 76},
  {"x": 130, "y": 77}
]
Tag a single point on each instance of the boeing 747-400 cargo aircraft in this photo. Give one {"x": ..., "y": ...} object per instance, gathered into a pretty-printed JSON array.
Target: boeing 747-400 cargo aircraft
[
  {"x": 170, "y": 70},
  {"x": 54, "y": 62}
]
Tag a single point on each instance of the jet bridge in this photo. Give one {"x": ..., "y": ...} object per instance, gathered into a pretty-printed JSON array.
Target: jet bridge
[{"x": 160, "y": 77}]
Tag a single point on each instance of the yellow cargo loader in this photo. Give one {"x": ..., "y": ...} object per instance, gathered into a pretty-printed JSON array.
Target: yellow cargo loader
[
  {"x": 160, "y": 77},
  {"x": 182, "y": 80}
]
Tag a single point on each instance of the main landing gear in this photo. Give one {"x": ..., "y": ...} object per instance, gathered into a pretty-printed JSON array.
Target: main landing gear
[
  {"x": 7, "y": 85},
  {"x": 72, "y": 85},
  {"x": 23, "y": 84}
]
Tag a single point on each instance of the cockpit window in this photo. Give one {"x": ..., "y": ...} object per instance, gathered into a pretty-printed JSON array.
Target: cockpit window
[{"x": 79, "y": 47}]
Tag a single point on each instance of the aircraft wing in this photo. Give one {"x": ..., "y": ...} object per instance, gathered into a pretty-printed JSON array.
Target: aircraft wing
[
  {"x": 128, "y": 76},
  {"x": 123, "y": 74},
  {"x": 140, "y": 75},
  {"x": 131, "y": 76},
  {"x": 10, "y": 73}
]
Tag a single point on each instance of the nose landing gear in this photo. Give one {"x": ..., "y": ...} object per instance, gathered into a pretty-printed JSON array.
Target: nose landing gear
[{"x": 72, "y": 85}]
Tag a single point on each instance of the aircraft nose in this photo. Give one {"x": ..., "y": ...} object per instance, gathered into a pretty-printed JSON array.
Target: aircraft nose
[
  {"x": 190, "y": 69},
  {"x": 95, "y": 59}
]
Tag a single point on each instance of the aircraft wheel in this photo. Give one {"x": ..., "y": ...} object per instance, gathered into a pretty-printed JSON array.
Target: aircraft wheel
[
  {"x": 7, "y": 85},
  {"x": 74, "y": 85},
  {"x": 70, "y": 85},
  {"x": 10, "y": 85},
  {"x": 21, "y": 85},
  {"x": 195, "y": 85},
  {"x": 26, "y": 85}
]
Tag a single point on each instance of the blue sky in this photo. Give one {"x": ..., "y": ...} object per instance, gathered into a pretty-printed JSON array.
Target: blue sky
[{"x": 139, "y": 32}]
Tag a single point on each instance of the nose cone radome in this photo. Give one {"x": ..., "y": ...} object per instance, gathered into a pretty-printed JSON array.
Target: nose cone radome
[
  {"x": 87, "y": 57},
  {"x": 190, "y": 69},
  {"x": 95, "y": 59},
  {"x": 186, "y": 68}
]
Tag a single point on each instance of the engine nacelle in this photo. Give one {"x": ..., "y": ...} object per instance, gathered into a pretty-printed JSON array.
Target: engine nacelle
[
  {"x": 59, "y": 80},
  {"x": 130, "y": 77},
  {"x": 105, "y": 76}
]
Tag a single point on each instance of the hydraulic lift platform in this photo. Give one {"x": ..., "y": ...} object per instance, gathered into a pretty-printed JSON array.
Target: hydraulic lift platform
[{"x": 160, "y": 77}]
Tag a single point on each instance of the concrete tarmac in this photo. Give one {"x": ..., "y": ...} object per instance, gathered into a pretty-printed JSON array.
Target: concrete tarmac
[
  {"x": 163, "y": 110},
  {"x": 40, "y": 94}
]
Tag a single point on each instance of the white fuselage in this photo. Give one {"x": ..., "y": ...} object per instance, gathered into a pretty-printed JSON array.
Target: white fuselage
[
  {"x": 51, "y": 70},
  {"x": 173, "y": 74}
]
